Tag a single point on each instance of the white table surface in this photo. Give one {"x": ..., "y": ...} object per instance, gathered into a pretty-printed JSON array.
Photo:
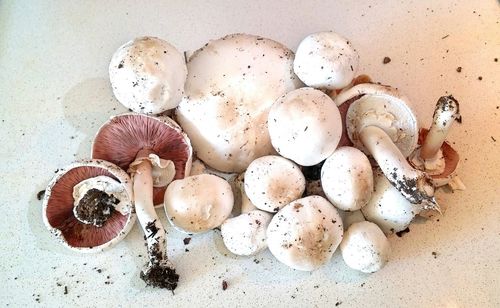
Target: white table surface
[{"x": 55, "y": 93}]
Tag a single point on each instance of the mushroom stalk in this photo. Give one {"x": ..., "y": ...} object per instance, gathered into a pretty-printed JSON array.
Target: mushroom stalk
[
  {"x": 413, "y": 184},
  {"x": 159, "y": 272},
  {"x": 446, "y": 112}
]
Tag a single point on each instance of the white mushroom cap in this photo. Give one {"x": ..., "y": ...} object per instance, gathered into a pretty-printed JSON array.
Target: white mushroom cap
[
  {"x": 231, "y": 85},
  {"x": 245, "y": 235},
  {"x": 347, "y": 179},
  {"x": 198, "y": 203},
  {"x": 388, "y": 208},
  {"x": 305, "y": 233},
  {"x": 305, "y": 126},
  {"x": 271, "y": 182},
  {"x": 326, "y": 60},
  {"x": 365, "y": 247},
  {"x": 147, "y": 75}
]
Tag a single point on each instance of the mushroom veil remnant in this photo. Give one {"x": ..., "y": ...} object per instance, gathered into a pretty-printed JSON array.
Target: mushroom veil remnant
[{"x": 155, "y": 151}]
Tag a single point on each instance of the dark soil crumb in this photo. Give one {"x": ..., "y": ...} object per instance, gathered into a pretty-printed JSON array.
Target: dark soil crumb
[
  {"x": 445, "y": 36},
  {"x": 159, "y": 276},
  {"x": 224, "y": 285},
  {"x": 338, "y": 304},
  {"x": 402, "y": 232},
  {"x": 493, "y": 138},
  {"x": 363, "y": 284},
  {"x": 434, "y": 254},
  {"x": 496, "y": 59},
  {"x": 40, "y": 194},
  {"x": 96, "y": 207},
  {"x": 186, "y": 240},
  {"x": 65, "y": 290},
  {"x": 459, "y": 69},
  {"x": 480, "y": 78},
  {"x": 256, "y": 261},
  {"x": 151, "y": 228},
  {"x": 99, "y": 270},
  {"x": 386, "y": 60}
]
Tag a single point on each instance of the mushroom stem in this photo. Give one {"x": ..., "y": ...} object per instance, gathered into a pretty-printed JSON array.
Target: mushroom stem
[
  {"x": 160, "y": 272},
  {"x": 413, "y": 184},
  {"x": 447, "y": 110}
]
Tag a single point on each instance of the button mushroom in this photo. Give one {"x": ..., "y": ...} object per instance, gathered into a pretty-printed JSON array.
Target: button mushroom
[
  {"x": 147, "y": 75},
  {"x": 382, "y": 124},
  {"x": 365, "y": 247},
  {"x": 198, "y": 203},
  {"x": 305, "y": 233},
  {"x": 305, "y": 126},
  {"x": 347, "y": 179},
  {"x": 271, "y": 182},
  {"x": 231, "y": 85},
  {"x": 326, "y": 60},
  {"x": 88, "y": 205},
  {"x": 436, "y": 157},
  {"x": 155, "y": 151},
  {"x": 388, "y": 208}
]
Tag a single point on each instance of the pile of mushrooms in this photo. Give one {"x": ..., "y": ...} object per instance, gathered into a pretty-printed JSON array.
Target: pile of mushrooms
[{"x": 314, "y": 156}]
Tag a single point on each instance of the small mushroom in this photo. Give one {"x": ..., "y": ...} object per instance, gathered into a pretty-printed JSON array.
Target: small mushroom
[
  {"x": 381, "y": 123},
  {"x": 147, "y": 75},
  {"x": 347, "y": 179},
  {"x": 155, "y": 151},
  {"x": 305, "y": 233},
  {"x": 232, "y": 83},
  {"x": 305, "y": 126},
  {"x": 271, "y": 182},
  {"x": 365, "y": 247},
  {"x": 198, "y": 203},
  {"x": 388, "y": 208},
  {"x": 88, "y": 205},
  {"x": 326, "y": 60},
  {"x": 436, "y": 157}
]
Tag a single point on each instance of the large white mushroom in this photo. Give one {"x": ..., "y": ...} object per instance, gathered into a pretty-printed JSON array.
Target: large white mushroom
[
  {"x": 232, "y": 83},
  {"x": 347, "y": 178},
  {"x": 305, "y": 126},
  {"x": 147, "y": 75},
  {"x": 326, "y": 60},
  {"x": 271, "y": 182},
  {"x": 198, "y": 203},
  {"x": 305, "y": 233}
]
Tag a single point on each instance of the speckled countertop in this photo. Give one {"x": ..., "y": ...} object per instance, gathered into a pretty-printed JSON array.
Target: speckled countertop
[{"x": 54, "y": 94}]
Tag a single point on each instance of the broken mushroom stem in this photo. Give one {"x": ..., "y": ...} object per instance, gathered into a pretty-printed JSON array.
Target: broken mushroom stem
[
  {"x": 446, "y": 112},
  {"x": 159, "y": 272},
  {"x": 412, "y": 183}
]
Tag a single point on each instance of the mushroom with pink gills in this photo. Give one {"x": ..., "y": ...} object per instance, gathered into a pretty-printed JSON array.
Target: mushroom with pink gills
[
  {"x": 88, "y": 205},
  {"x": 435, "y": 156},
  {"x": 231, "y": 84},
  {"x": 147, "y": 75},
  {"x": 155, "y": 151},
  {"x": 381, "y": 123}
]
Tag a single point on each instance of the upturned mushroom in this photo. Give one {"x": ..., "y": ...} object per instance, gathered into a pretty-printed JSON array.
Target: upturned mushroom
[
  {"x": 305, "y": 233},
  {"x": 232, "y": 83},
  {"x": 305, "y": 126},
  {"x": 326, "y": 60},
  {"x": 388, "y": 208},
  {"x": 198, "y": 203},
  {"x": 155, "y": 151},
  {"x": 347, "y": 179},
  {"x": 271, "y": 182},
  {"x": 147, "y": 75},
  {"x": 88, "y": 205},
  {"x": 365, "y": 247},
  {"x": 435, "y": 156},
  {"x": 381, "y": 123}
]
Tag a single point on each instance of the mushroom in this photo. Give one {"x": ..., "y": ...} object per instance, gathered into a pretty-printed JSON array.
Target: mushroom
[
  {"x": 155, "y": 151},
  {"x": 388, "y": 208},
  {"x": 305, "y": 233},
  {"x": 365, "y": 247},
  {"x": 198, "y": 203},
  {"x": 326, "y": 60},
  {"x": 271, "y": 182},
  {"x": 147, "y": 75},
  {"x": 381, "y": 123},
  {"x": 305, "y": 126},
  {"x": 232, "y": 83},
  {"x": 436, "y": 157},
  {"x": 347, "y": 179},
  {"x": 88, "y": 205}
]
